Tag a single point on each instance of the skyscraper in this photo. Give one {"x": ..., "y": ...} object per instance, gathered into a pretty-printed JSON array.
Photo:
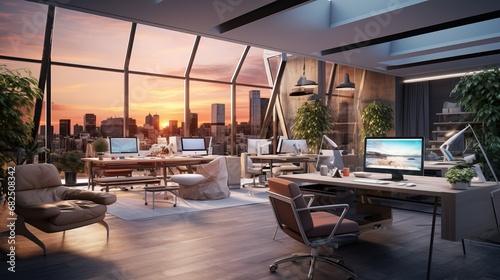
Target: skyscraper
[
  {"x": 194, "y": 124},
  {"x": 255, "y": 119},
  {"x": 64, "y": 127},
  {"x": 149, "y": 120},
  {"x": 156, "y": 122},
  {"x": 218, "y": 123},
  {"x": 89, "y": 123}
]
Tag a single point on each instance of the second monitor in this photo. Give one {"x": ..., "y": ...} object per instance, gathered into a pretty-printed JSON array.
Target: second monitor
[
  {"x": 293, "y": 146},
  {"x": 193, "y": 146}
]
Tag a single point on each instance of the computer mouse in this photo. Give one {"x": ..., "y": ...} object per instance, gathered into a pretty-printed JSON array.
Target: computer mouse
[{"x": 411, "y": 184}]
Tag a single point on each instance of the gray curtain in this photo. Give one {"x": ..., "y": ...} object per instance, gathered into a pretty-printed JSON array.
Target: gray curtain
[{"x": 415, "y": 111}]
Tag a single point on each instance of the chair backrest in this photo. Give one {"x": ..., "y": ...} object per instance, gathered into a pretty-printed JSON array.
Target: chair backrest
[
  {"x": 286, "y": 197},
  {"x": 36, "y": 176},
  {"x": 495, "y": 200},
  {"x": 214, "y": 170}
]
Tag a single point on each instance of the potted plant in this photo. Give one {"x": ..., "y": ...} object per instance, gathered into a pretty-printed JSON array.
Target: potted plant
[
  {"x": 377, "y": 119},
  {"x": 18, "y": 93},
  {"x": 100, "y": 146},
  {"x": 70, "y": 163},
  {"x": 313, "y": 119},
  {"x": 459, "y": 176},
  {"x": 479, "y": 93}
]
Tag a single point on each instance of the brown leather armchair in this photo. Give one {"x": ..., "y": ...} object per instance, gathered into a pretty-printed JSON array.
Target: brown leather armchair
[{"x": 43, "y": 202}]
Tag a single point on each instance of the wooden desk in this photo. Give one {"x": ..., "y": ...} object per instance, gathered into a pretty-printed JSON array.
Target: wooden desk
[
  {"x": 438, "y": 167},
  {"x": 464, "y": 213},
  {"x": 272, "y": 159},
  {"x": 142, "y": 162}
]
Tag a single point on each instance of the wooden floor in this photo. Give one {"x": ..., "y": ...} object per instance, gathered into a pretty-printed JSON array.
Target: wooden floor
[{"x": 236, "y": 243}]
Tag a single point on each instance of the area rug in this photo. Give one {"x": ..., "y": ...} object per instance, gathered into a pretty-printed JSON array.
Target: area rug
[{"x": 130, "y": 204}]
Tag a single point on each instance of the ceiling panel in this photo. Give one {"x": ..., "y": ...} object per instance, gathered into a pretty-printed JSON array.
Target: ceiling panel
[{"x": 415, "y": 37}]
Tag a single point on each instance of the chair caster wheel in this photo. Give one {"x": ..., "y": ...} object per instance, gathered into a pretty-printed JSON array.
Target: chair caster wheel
[
  {"x": 273, "y": 268},
  {"x": 175, "y": 205},
  {"x": 145, "y": 203}
]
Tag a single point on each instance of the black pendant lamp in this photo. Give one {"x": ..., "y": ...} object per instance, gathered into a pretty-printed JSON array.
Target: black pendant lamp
[
  {"x": 303, "y": 83},
  {"x": 346, "y": 85}
]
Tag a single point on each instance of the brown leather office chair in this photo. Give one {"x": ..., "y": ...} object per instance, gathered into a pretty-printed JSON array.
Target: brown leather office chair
[
  {"x": 44, "y": 203},
  {"x": 310, "y": 225}
]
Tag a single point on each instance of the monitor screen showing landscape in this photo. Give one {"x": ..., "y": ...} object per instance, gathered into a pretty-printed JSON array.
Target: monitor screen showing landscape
[
  {"x": 123, "y": 145},
  {"x": 394, "y": 155}
]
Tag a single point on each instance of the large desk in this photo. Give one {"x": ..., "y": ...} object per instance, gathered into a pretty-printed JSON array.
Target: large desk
[
  {"x": 277, "y": 159},
  {"x": 464, "y": 213},
  {"x": 95, "y": 164}
]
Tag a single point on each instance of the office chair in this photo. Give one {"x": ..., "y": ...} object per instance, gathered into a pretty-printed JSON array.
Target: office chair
[
  {"x": 310, "y": 225},
  {"x": 248, "y": 168}
]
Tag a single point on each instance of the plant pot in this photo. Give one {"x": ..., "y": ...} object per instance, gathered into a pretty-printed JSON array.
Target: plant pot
[
  {"x": 100, "y": 156},
  {"x": 460, "y": 185},
  {"x": 69, "y": 177}
]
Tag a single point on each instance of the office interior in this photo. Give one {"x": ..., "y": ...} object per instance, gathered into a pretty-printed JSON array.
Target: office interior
[{"x": 389, "y": 50}]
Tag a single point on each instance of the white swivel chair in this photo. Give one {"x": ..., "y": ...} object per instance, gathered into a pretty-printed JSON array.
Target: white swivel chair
[{"x": 249, "y": 169}]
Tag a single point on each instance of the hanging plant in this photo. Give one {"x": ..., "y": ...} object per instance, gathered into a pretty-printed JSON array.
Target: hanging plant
[{"x": 313, "y": 119}]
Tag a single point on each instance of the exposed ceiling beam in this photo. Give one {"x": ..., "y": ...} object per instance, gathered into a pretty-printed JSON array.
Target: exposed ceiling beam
[
  {"x": 444, "y": 59},
  {"x": 260, "y": 13},
  {"x": 414, "y": 32}
]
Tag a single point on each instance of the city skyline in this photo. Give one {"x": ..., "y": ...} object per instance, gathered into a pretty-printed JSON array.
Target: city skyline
[{"x": 84, "y": 39}]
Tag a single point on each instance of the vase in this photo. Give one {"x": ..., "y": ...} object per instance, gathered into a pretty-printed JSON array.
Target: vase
[
  {"x": 460, "y": 185},
  {"x": 69, "y": 177}
]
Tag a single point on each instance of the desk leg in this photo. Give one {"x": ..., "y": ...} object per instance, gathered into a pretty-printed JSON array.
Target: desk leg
[
  {"x": 164, "y": 170},
  {"x": 91, "y": 177},
  {"x": 431, "y": 245}
]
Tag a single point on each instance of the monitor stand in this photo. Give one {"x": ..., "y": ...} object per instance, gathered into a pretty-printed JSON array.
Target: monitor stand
[{"x": 396, "y": 177}]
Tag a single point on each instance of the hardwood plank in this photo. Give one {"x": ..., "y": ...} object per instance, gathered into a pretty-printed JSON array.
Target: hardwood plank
[{"x": 236, "y": 243}]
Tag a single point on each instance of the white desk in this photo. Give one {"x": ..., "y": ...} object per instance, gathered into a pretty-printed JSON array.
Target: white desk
[{"x": 463, "y": 212}]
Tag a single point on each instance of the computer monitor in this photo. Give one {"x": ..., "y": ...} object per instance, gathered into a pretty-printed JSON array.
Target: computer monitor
[
  {"x": 293, "y": 146},
  {"x": 123, "y": 146},
  {"x": 397, "y": 156},
  {"x": 253, "y": 146},
  {"x": 193, "y": 146},
  {"x": 280, "y": 140}
]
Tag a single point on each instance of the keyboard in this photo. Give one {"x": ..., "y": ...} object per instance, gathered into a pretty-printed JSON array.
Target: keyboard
[{"x": 372, "y": 181}]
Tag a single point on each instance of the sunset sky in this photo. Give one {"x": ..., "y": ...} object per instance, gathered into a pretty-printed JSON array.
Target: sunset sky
[{"x": 96, "y": 41}]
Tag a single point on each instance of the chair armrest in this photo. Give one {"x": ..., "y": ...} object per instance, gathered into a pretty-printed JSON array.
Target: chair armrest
[
  {"x": 325, "y": 207},
  {"x": 96, "y": 197},
  {"x": 38, "y": 211},
  {"x": 309, "y": 197}
]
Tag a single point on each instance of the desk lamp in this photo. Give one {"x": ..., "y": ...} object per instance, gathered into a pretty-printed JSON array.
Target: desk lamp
[
  {"x": 329, "y": 141},
  {"x": 447, "y": 155}
]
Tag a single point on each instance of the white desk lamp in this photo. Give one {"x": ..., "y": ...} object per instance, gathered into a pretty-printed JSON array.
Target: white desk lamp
[
  {"x": 329, "y": 141},
  {"x": 447, "y": 155}
]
